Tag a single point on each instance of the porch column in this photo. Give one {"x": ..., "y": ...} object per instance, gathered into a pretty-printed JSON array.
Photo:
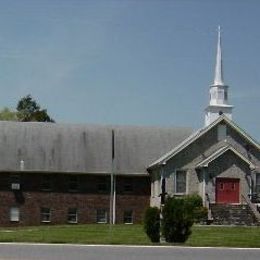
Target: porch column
[{"x": 204, "y": 175}]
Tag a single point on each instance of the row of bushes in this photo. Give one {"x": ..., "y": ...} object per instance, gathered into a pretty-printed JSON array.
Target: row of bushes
[{"x": 178, "y": 216}]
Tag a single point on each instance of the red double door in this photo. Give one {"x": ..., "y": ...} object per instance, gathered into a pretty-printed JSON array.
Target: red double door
[{"x": 227, "y": 190}]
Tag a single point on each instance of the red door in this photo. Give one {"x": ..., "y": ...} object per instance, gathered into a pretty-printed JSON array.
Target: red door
[{"x": 227, "y": 190}]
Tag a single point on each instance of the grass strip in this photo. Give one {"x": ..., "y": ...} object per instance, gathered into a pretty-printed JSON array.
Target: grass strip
[{"x": 212, "y": 236}]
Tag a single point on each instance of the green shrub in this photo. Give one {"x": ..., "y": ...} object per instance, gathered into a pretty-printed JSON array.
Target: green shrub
[
  {"x": 152, "y": 223},
  {"x": 200, "y": 214},
  {"x": 177, "y": 220},
  {"x": 195, "y": 206}
]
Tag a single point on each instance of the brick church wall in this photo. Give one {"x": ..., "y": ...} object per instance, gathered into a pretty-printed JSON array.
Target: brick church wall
[{"x": 93, "y": 193}]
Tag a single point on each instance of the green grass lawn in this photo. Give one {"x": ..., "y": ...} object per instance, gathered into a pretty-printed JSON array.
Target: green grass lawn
[{"x": 129, "y": 234}]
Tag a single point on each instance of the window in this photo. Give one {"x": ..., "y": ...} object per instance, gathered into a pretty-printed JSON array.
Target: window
[
  {"x": 257, "y": 183},
  {"x": 45, "y": 215},
  {"x": 101, "y": 216},
  {"x": 14, "y": 214},
  {"x": 102, "y": 185},
  {"x": 128, "y": 185},
  {"x": 73, "y": 183},
  {"x": 15, "y": 182},
  {"x": 128, "y": 217},
  {"x": 72, "y": 215},
  {"x": 180, "y": 182},
  {"x": 46, "y": 182}
]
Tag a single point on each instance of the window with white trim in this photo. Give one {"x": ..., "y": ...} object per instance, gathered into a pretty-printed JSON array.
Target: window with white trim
[
  {"x": 128, "y": 217},
  {"x": 14, "y": 214},
  {"x": 180, "y": 181},
  {"x": 45, "y": 215},
  {"x": 102, "y": 216},
  {"x": 72, "y": 215}
]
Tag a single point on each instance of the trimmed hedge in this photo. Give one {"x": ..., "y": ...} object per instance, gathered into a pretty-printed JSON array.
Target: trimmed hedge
[
  {"x": 178, "y": 216},
  {"x": 177, "y": 220},
  {"x": 152, "y": 224}
]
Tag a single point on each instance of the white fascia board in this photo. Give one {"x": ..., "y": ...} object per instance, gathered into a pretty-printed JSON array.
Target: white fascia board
[
  {"x": 197, "y": 135},
  {"x": 220, "y": 152}
]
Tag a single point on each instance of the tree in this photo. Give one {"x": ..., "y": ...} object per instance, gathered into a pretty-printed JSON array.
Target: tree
[
  {"x": 7, "y": 114},
  {"x": 28, "y": 110}
]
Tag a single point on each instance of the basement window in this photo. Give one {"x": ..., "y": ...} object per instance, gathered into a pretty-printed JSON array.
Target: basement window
[
  {"x": 14, "y": 214},
  {"x": 128, "y": 217},
  {"x": 45, "y": 215},
  {"x": 102, "y": 216},
  {"x": 72, "y": 215}
]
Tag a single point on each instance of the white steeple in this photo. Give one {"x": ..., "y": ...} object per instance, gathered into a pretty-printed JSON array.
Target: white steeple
[
  {"x": 218, "y": 103},
  {"x": 218, "y": 80}
]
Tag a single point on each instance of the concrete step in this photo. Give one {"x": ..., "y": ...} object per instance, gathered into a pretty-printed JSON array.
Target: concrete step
[{"x": 236, "y": 214}]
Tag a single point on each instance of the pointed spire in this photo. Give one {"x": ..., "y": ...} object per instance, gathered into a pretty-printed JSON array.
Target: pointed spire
[{"x": 218, "y": 80}]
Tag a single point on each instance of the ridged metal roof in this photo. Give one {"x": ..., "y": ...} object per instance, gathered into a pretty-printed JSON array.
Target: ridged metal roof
[{"x": 49, "y": 147}]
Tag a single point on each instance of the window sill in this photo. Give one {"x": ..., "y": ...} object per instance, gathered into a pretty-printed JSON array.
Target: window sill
[{"x": 180, "y": 194}]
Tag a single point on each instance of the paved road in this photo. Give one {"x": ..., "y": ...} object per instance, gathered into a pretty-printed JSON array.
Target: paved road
[{"x": 77, "y": 252}]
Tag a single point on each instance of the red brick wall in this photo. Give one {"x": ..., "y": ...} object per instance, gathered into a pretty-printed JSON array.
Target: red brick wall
[{"x": 87, "y": 199}]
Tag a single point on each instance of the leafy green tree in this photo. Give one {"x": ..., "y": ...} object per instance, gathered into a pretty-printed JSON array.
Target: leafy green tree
[
  {"x": 7, "y": 114},
  {"x": 29, "y": 110}
]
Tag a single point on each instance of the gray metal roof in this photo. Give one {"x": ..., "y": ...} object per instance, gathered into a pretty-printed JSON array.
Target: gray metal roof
[{"x": 48, "y": 147}]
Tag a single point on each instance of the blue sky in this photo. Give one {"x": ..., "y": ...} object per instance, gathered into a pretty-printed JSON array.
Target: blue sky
[{"x": 130, "y": 62}]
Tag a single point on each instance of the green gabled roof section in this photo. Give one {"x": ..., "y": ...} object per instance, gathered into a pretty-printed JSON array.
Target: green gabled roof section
[
  {"x": 219, "y": 153},
  {"x": 162, "y": 160}
]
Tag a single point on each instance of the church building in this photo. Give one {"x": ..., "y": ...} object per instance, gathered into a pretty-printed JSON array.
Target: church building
[
  {"x": 54, "y": 173},
  {"x": 220, "y": 162}
]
